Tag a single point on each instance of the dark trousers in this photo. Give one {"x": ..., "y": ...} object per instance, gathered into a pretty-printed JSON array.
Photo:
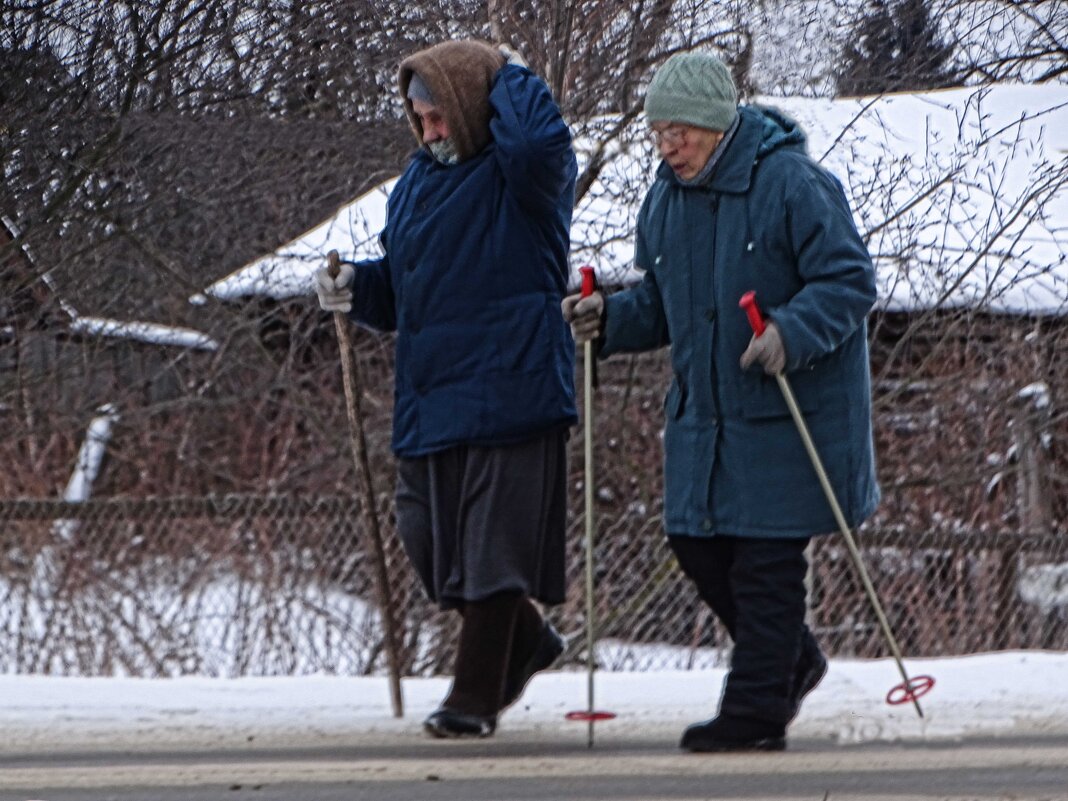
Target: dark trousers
[
  {"x": 498, "y": 637},
  {"x": 756, "y": 587}
]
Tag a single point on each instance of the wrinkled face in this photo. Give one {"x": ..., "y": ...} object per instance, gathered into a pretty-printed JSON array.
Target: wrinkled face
[
  {"x": 686, "y": 148},
  {"x": 436, "y": 133},
  {"x": 432, "y": 121}
]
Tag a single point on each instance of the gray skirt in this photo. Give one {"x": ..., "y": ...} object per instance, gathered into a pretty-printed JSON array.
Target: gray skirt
[{"x": 476, "y": 521}]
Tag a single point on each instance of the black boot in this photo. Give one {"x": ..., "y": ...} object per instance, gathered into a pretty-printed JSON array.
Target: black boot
[
  {"x": 731, "y": 733},
  {"x": 810, "y": 670},
  {"x": 550, "y": 644},
  {"x": 448, "y": 723},
  {"x": 470, "y": 709}
]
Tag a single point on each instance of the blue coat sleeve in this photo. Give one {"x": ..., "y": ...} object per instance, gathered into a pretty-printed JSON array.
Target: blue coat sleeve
[
  {"x": 373, "y": 304},
  {"x": 838, "y": 277},
  {"x": 533, "y": 143},
  {"x": 634, "y": 319}
]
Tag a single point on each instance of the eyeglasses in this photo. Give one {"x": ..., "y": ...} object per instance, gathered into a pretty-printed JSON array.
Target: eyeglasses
[{"x": 672, "y": 136}]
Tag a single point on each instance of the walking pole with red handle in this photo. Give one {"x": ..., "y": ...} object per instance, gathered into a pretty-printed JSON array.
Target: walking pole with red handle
[
  {"x": 909, "y": 689},
  {"x": 358, "y": 442},
  {"x": 589, "y": 285}
]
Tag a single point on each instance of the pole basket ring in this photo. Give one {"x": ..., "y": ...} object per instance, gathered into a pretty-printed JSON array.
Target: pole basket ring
[
  {"x": 585, "y": 716},
  {"x": 907, "y": 692}
]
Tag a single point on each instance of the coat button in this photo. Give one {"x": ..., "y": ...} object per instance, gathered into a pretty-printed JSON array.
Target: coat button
[
  {"x": 710, "y": 315},
  {"x": 707, "y": 525}
]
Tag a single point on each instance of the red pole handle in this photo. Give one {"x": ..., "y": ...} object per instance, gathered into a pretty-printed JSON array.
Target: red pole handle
[
  {"x": 589, "y": 280},
  {"x": 333, "y": 264},
  {"x": 752, "y": 311}
]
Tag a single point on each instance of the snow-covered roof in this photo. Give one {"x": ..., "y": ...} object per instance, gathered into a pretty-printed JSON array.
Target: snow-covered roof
[
  {"x": 140, "y": 331},
  {"x": 352, "y": 231},
  {"x": 150, "y": 333},
  {"x": 962, "y": 195}
]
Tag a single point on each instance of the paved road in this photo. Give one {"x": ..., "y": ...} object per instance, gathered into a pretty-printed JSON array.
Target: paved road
[{"x": 981, "y": 770}]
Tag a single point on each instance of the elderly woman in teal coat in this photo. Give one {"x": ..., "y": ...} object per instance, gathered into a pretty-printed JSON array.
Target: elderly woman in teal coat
[{"x": 738, "y": 205}]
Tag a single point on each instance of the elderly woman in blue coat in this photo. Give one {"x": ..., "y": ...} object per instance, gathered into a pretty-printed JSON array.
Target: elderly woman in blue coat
[
  {"x": 475, "y": 267},
  {"x": 738, "y": 205}
]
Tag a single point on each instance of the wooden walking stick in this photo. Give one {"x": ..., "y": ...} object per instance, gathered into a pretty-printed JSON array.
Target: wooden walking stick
[
  {"x": 908, "y": 689},
  {"x": 351, "y": 379}
]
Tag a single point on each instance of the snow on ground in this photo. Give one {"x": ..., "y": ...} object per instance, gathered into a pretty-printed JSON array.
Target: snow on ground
[{"x": 1021, "y": 693}]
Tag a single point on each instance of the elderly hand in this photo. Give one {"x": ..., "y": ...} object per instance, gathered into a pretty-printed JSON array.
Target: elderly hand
[
  {"x": 511, "y": 56},
  {"x": 585, "y": 315},
  {"x": 767, "y": 349},
  {"x": 335, "y": 293}
]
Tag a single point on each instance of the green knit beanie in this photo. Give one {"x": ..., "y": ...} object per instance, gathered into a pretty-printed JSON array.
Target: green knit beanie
[{"x": 694, "y": 88}]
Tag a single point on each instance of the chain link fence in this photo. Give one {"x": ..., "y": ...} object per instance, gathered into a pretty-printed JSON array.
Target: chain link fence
[
  {"x": 260, "y": 585},
  {"x": 968, "y": 550}
]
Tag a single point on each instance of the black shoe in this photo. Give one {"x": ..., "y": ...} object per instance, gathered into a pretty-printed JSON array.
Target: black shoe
[
  {"x": 450, "y": 723},
  {"x": 729, "y": 733},
  {"x": 810, "y": 670},
  {"x": 548, "y": 650}
]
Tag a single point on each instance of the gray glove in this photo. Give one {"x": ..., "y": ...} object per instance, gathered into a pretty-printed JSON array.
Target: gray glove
[
  {"x": 585, "y": 314},
  {"x": 335, "y": 293},
  {"x": 511, "y": 56},
  {"x": 767, "y": 350}
]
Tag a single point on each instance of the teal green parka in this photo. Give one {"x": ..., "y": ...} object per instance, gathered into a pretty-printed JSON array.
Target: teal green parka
[{"x": 768, "y": 219}]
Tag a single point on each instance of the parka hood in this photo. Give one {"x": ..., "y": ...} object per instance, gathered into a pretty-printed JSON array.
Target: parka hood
[
  {"x": 778, "y": 130},
  {"x": 459, "y": 75}
]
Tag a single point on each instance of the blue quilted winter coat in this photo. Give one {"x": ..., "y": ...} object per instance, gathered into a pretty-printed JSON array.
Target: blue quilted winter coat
[
  {"x": 768, "y": 219},
  {"x": 474, "y": 270}
]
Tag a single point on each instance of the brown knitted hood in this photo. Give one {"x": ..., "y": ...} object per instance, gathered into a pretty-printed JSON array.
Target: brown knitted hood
[{"x": 459, "y": 76}]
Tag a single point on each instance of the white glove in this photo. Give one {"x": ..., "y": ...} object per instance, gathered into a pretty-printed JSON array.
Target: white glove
[
  {"x": 585, "y": 315},
  {"x": 511, "y": 56},
  {"x": 335, "y": 293},
  {"x": 767, "y": 349}
]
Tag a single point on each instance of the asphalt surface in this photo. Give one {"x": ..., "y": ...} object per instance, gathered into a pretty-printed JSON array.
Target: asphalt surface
[{"x": 517, "y": 770}]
